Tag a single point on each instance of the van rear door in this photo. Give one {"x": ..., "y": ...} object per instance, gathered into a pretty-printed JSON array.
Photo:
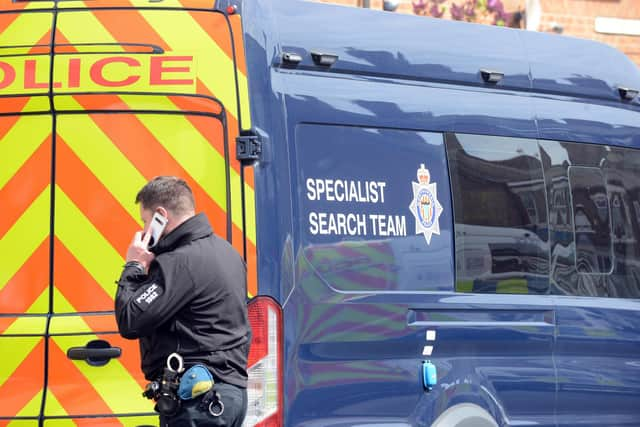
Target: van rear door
[
  {"x": 132, "y": 98},
  {"x": 25, "y": 197}
]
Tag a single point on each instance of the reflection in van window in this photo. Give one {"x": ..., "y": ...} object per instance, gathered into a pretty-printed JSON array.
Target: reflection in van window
[
  {"x": 597, "y": 187},
  {"x": 591, "y": 219},
  {"x": 500, "y": 213}
]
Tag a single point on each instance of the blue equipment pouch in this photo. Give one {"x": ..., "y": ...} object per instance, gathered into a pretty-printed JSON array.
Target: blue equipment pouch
[{"x": 195, "y": 381}]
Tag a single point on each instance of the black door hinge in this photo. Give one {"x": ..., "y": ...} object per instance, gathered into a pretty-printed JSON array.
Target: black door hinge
[{"x": 248, "y": 148}]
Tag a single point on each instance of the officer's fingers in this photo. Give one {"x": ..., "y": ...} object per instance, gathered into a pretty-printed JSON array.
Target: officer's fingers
[
  {"x": 137, "y": 237},
  {"x": 146, "y": 238}
]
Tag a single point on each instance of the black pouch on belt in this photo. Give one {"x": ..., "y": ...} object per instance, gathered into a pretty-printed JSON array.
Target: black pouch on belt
[{"x": 167, "y": 402}]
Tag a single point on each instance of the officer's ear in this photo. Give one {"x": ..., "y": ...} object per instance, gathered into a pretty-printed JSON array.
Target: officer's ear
[{"x": 162, "y": 211}]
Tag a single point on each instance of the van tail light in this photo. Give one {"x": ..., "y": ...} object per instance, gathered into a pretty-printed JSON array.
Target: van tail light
[{"x": 265, "y": 406}]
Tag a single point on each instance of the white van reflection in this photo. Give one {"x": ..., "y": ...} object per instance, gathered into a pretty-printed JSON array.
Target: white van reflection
[{"x": 500, "y": 259}]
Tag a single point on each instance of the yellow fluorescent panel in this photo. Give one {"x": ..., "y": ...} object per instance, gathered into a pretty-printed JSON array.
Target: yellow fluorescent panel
[
  {"x": 20, "y": 348},
  {"x": 24, "y": 138},
  {"x": 37, "y": 104},
  {"x": 83, "y": 27},
  {"x": 32, "y": 325},
  {"x": 24, "y": 237},
  {"x": 27, "y": 29},
  {"x": 25, "y": 74}
]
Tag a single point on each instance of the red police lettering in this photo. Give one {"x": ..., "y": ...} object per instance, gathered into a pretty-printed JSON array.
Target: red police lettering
[
  {"x": 30, "y": 76},
  {"x": 98, "y": 67},
  {"x": 8, "y": 74},
  {"x": 158, "y": 68},
  {"x": 74, "y": 72}
]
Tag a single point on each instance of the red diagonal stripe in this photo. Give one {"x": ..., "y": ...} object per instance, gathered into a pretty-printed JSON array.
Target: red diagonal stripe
[
  {"x": 101, "y": 322},
  {"x": 236, "y": 28},
  {"x": 26, "y": 286},
  {"x": 11, "y": 104},
  {"x": 93, "y": 198},
  {"x": 25, "y": 186},
  {"x": 43, "y": 45},
  {"x": 76, "y": 284},
  {"x": 192, "y": 103},
  {"x": 70, "y": 387},
  {"x": 252, "y": 267},
  {"x": 24, "y": 383}
]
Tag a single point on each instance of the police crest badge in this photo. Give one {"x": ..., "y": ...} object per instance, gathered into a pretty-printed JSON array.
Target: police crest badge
[{"x": 425, "y": 206}]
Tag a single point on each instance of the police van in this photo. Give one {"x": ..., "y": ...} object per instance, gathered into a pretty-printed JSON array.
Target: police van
[{"x": 440, "y": 220}]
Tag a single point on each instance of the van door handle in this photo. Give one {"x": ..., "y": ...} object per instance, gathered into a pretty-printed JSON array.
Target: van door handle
[{"x": 95, "y": 353}]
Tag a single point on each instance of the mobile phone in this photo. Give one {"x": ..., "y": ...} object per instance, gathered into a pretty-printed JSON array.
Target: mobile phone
[{"x": 158, "y": 223}]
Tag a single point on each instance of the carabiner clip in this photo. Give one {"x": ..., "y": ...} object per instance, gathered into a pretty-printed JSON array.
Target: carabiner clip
[{"x": 180, "y": 363}]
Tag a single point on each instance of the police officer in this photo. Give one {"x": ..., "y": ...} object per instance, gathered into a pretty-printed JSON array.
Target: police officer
[{"x": 186, "y": 295}]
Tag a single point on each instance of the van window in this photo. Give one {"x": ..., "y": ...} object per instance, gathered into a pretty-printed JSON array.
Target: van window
[
  {"x": 500, "y": 214},
  {"x": 594, "y": 201},
  {"x": 591, "y": 219}
]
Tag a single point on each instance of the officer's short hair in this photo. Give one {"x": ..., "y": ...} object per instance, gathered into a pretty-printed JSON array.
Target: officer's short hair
[{"x": 170, "y": 192}]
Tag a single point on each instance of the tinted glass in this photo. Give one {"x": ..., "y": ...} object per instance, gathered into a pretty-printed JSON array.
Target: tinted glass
[
  {"x": 590, "y": 209},
  {"x": 597, "y": 189},
  {"x": 622, "y": 173},
  {"x": 500, "y": 214}
]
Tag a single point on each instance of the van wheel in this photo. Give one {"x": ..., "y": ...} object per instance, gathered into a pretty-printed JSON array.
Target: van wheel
[{"x": 465, "y": 415}]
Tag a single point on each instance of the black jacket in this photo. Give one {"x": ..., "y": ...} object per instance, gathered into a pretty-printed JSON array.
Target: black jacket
[{"x": 193, "y": 302}]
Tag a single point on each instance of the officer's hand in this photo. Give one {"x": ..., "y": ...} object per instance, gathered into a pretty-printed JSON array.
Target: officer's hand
[{"x": 138, "y": 250}]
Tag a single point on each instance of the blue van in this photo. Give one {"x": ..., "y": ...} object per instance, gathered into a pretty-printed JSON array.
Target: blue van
[
  {"x": 440, "y": 192},
  {"x": 440, "y": 219}
]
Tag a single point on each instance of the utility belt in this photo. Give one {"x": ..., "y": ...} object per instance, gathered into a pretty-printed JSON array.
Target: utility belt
[{"x": 177, "y": 385}]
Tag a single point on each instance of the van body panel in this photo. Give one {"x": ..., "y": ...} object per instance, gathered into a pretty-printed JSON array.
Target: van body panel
[
  {"x": 497, "y": 351},
  {"x": 450, "y": 57},
  {"x": 601, "y": 335},
  {"x": 353, "y": 100},
  {"x": 362, "y": 305},
  {"x": 25, "y": 196},
  {"x": 584, "y": 75},
  {"x": 570, "y": 119}
]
